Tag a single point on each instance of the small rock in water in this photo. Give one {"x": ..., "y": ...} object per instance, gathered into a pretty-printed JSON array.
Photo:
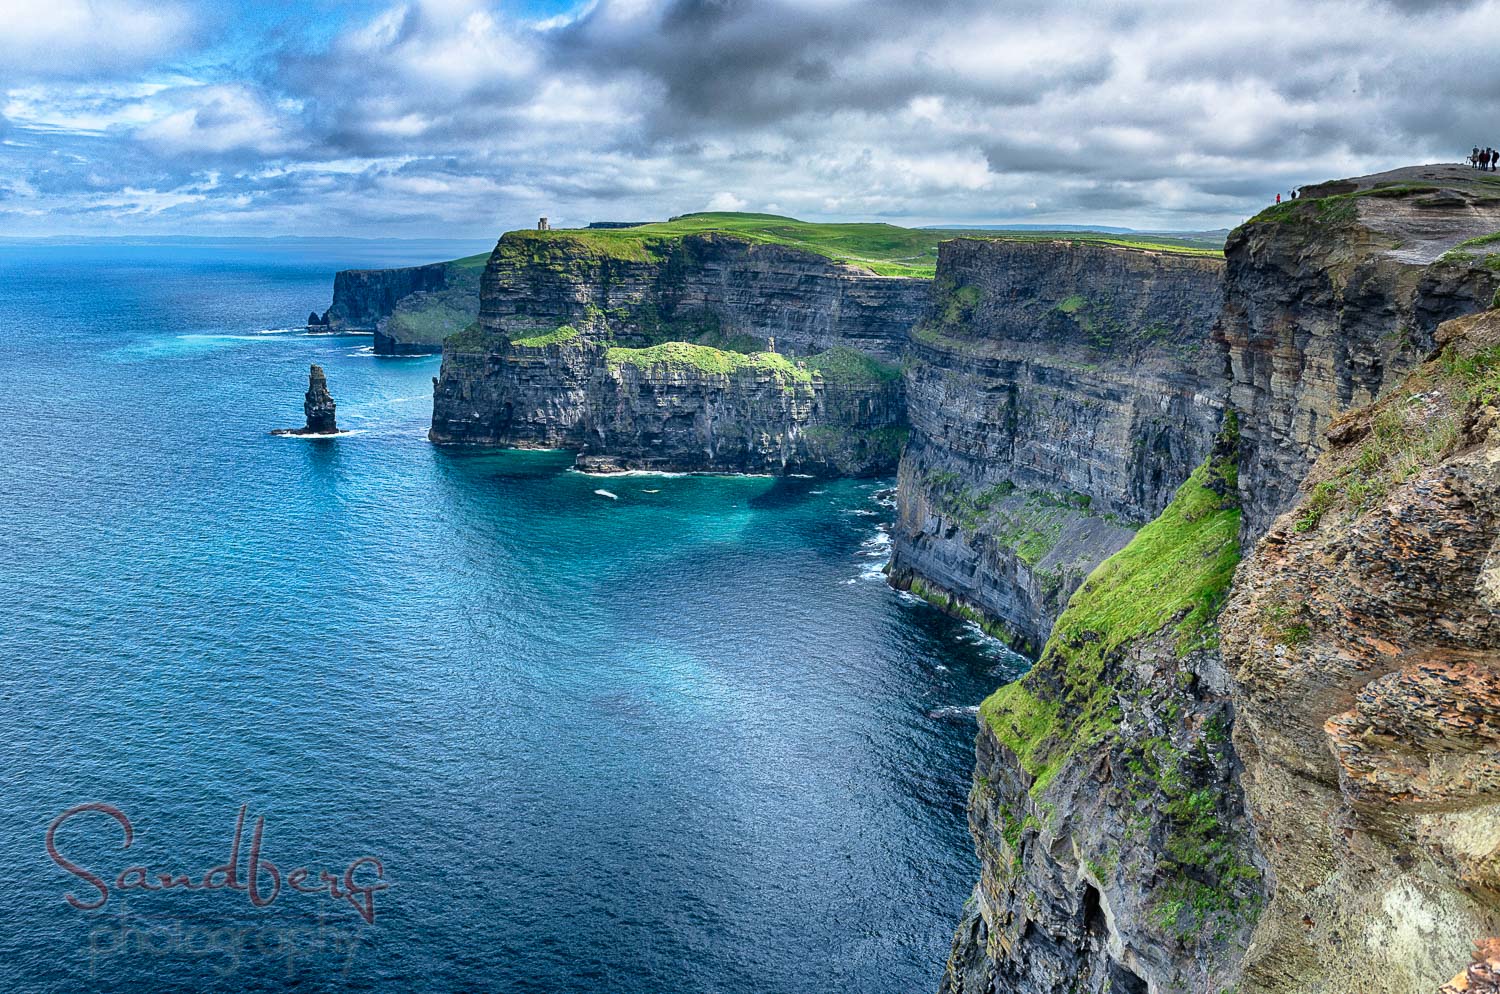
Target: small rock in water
[{"x": 317, "y": 406}]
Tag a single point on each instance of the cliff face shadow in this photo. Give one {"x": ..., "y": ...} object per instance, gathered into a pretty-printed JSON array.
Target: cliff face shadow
[{"x": 786, "y": 491}]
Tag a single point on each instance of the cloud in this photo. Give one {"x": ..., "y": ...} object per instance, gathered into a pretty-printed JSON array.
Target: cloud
[
  {"x": 216, "y": 119},
  {"x": 726, "y": 202},
  {"x": 79, "y": 38},
  {"x": 457, "y": 116}
]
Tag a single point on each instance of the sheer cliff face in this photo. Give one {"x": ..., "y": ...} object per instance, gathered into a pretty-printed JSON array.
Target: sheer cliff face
[
  {"x": 1302, "y": 795},
  {"x": 1058, "y": 394},
  {"x": 699, "y": 287},
  {"x": 770, "y": 416},
  {"x": 1363, "y": 638},
  {"x": 1327, "y": 302},
  {"x": 1316, "y": 770},
  {"x": 362, "y": 297}
]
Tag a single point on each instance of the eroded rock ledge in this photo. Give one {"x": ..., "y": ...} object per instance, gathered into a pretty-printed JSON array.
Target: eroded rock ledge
[
  {"x": 676, "y": 407},
  {"x": 1364, "y": 642}
]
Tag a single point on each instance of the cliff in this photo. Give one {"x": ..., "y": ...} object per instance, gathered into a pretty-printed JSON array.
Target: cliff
[
  {"x": 409, "y": 310},
  {"x": 1364, "y": 641},
  {"x": 675, "y": 407},
  {"x": 1301, "y": 794},
  {"x": 1114, "y": 848},
  {"x": 710, "y": 287},
  {"x": 1331, "y": 298},
  {"x": 1058, "y": 393},
  {"x": 686, "y": 350}
]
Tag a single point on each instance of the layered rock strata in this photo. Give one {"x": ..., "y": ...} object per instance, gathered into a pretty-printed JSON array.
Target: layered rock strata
[
  {"x": 317, "y": 407},
  {"x": 675, "y": 408},
  {"x": 703, "y": 352},
  {"x": 1314, "y": 774},
  {"x": 1115, "y": 852},
  {"x": 1332, "y": 298},
  {"x": 1363, "y": 638},
  {"x": 1058, "y": 394},
  {"x": 410, "y": 310},
  {"x": 715, "y": 289}
]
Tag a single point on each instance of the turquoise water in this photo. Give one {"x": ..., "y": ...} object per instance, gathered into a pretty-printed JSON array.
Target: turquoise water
[{"x": 685, "y": 740}]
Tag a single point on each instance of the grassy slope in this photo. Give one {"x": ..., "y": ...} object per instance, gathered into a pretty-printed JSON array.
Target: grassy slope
[
  {"x": 1171, "y": 576},
  {"x": 838, "y": 365},
  {"x": 883, "y": 248}
]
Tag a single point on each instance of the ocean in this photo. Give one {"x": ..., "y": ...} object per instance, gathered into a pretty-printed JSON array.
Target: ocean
[{"x": 494, "y": 731}]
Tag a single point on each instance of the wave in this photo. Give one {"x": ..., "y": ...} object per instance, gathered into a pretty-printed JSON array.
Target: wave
[
  {"x": 879, "y": 543},
  {"x": 623, "y": 472},
  {"x": 606, "y": 493},
  {"x": 954, "y": 712},
  {"x": 335, "y": 434}
]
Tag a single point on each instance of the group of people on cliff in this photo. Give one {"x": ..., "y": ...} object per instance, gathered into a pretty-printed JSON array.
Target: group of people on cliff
[{"x": 1483, "y": 158}]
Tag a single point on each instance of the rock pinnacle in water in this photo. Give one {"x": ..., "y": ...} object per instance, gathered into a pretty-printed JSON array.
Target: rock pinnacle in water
[{"x": 318, "y": 405}]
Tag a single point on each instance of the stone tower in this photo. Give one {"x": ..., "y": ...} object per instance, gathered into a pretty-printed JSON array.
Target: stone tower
[{"x": 542, "y": 225}]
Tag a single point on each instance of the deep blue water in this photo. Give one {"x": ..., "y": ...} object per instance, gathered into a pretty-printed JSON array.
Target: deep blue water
[{"x": 680, "y": 741}]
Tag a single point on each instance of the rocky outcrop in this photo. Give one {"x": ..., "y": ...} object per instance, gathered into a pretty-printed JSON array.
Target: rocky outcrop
[
  {"x": 1363, "y": 638},
  {"x": 1059, "y": 393},
  {"x": 1332, "y": 298},
  {"x": 317, "y": 406},
  {"x": 711, "y": 288},
  {"x": 677, "y": 408},
  {"x": 410, "y": 310},
  {"x": 1314, "y": 774}
]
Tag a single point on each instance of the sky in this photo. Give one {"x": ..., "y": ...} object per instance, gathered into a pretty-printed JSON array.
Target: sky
[{"x": 461, "y": 119}]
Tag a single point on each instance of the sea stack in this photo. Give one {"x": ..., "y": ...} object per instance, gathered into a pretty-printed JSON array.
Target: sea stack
[{"x": 318, "y": 405}]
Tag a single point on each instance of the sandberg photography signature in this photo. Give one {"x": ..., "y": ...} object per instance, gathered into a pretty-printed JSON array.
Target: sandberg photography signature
[{"x": 263, "y": 881}]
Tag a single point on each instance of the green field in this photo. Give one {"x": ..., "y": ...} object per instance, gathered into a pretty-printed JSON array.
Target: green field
[{"x": 885, "y": 249}]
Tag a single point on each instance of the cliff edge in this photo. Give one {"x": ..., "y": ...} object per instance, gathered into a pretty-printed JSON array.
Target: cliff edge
[{"x": 1363, "y": 637}]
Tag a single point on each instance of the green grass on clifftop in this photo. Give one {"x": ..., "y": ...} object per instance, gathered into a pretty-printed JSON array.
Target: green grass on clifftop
[
  {"x": 885, "y": 249},
  {"x": 1170, "y": 579},
  {"x": 842, "y": 364}
]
